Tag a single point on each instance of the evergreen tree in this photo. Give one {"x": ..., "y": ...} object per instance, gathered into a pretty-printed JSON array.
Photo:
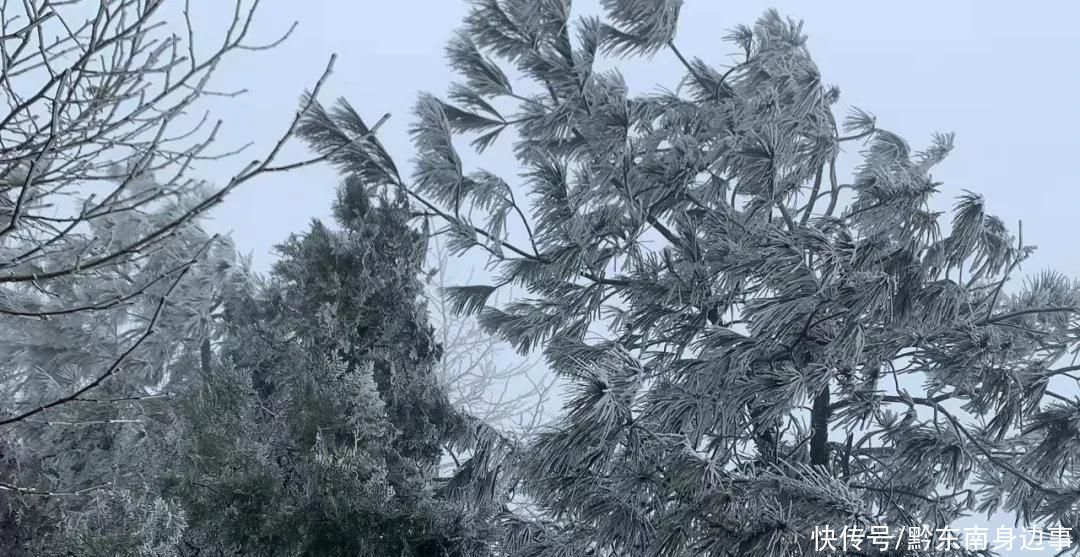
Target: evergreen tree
[
  {"x": 753, "y": 348},
  {"x": 319, "y": 431}
]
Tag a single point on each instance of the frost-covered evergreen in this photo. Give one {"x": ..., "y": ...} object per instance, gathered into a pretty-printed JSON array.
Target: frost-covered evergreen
[
  {"x": 320, "y": 428},
  {"x": 753, "y": 346}
]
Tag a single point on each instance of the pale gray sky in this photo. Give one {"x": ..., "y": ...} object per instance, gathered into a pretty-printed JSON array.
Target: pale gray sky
[{"x": 1002, "y": 75}]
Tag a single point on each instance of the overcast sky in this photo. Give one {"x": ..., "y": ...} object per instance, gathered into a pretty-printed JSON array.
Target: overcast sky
[{"x": 1002, "y": 75}]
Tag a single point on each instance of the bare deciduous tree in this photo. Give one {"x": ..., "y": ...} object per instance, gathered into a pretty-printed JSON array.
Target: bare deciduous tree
[
  {"x": 97, "y": 147},
  {"x": 510, "y": 394},
  {"x": 482, "y": 377}
]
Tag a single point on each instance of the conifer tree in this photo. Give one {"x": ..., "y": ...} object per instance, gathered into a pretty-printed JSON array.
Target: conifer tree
[
  {"x": 320, "y": 428},
  {"x": 753, "y": 347}
]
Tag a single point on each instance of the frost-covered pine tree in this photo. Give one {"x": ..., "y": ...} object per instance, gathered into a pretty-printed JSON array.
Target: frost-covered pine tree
[{"x": 752, "y": 345}]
